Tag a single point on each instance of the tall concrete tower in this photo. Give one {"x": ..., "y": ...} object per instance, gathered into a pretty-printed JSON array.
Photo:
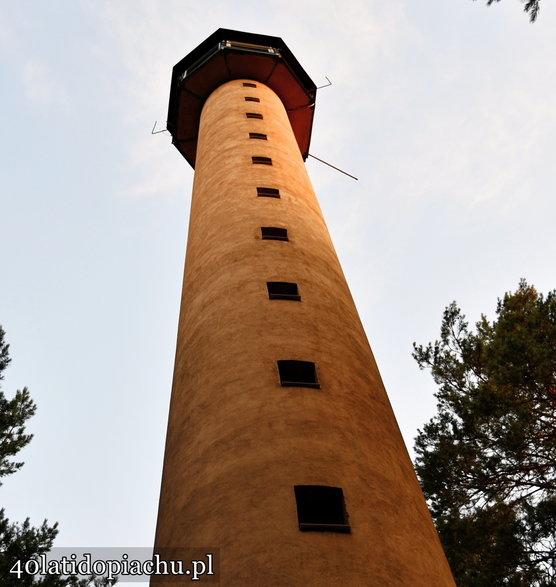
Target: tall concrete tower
[{"x": 282, "y": 449}]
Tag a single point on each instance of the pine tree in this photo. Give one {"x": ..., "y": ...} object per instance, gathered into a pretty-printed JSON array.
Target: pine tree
[
  {"x": 23, "y": 542},
  {"x": 531, "y": 7},
  {"x": 17, "y": 541},
  {"x": 487, "y": 459}
]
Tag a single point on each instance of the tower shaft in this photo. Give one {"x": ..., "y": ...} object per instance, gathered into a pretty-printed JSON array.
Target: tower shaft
[{"x": 242, "y": 436}]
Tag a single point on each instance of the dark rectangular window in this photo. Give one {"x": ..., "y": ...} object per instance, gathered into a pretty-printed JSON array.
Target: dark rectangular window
[
  {"x": 282, "y": 290},
  {"x": 321, "y": 508},
  {"x": 298, "y": 374},
  {"x": 254, "y": 115},
  {"x": 257, "y": 135},
  {"x": 261, "y": 160},
  {"x": 251, "y": 99},
  {"x": 274, "y": 233},
  {"x": 268, "y": 192},
  {"x": 249, "y": 85}
]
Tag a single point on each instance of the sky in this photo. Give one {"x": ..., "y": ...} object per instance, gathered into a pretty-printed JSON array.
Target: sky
[{"x": 443, "y": 109}]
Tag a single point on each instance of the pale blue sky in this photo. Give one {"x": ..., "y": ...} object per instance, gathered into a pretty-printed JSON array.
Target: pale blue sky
[{"x": 444, "y": 109}]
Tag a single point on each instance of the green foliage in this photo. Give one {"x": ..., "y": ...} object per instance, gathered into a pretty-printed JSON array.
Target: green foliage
[
  {"x": 23, "y": 542},
  {"x": 531, "y": 7},
  {"x": 487, "y": 460},
  {"x": 13, "y": 415},
  {"x": 17, "y": 541}
]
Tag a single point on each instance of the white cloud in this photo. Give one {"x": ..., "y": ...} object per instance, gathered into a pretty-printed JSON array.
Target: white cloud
[{"x": 40, "y": 85}]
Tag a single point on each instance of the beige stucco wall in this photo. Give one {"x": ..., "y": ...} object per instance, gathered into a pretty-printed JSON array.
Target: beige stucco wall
[{"x": 237, "y": 441}]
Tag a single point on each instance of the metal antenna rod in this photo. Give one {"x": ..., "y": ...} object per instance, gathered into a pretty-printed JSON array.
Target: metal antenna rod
[
  {"x": 325, "y": 85},
  {"x": 336, "y": 168},
  {"x": 158, "y": 131}
]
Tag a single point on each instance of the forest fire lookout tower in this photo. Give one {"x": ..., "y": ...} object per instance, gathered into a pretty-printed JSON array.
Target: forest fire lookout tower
[{"x": 282, "y": 448}]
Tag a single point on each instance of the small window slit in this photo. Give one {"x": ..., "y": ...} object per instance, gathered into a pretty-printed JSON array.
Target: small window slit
[
  {"x": 282, "y": 290},
  {"x": 298, "y": 374},
  {"x": 265, "y": 192},
  {"x": 261, "y": 160},
  {"x": 274, "y": 233},
  {"x": 321, "y": 509}
]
